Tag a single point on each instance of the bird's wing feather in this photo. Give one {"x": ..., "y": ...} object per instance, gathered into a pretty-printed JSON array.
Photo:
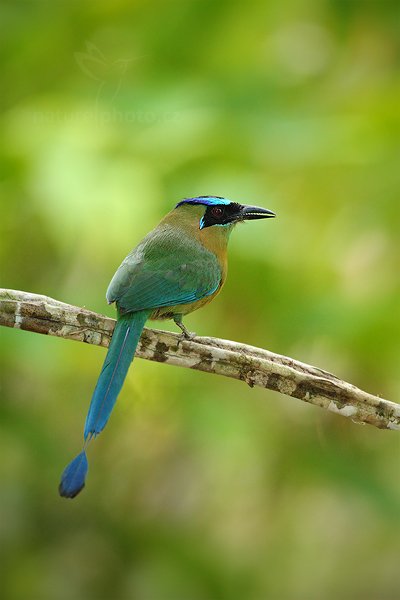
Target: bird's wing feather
[{"x": 164, "y": 270}]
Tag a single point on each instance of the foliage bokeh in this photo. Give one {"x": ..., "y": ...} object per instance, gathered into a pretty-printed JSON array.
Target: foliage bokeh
[{"x": 200, "y": 487}]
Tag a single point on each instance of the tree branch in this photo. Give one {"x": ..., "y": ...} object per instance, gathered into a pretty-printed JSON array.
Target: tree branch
[{"x": 254, "y": 366}]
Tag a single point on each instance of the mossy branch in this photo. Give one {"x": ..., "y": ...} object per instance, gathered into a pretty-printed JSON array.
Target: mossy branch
[{"x": 254, "y": 366}]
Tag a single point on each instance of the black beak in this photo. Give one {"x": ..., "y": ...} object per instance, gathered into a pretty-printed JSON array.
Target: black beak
[{"x": 250, "y": 213}]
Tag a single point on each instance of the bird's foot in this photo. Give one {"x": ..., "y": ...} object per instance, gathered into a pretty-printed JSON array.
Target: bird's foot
[{"x": 186, "y": 334}]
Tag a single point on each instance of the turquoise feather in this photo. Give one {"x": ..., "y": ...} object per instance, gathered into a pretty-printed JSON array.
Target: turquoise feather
[
  {"x": 164, "y": 270},
  {"x": 120, "y": 354},
  {"x": 119, "y": 357},
  {"x": 74, "y": 476}
]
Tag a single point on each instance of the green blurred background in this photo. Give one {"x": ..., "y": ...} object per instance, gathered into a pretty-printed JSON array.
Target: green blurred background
[{"x": 202, "y": 488}]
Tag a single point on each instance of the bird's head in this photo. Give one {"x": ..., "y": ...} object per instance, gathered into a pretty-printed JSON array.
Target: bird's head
[{"x": 216, "y": 211}]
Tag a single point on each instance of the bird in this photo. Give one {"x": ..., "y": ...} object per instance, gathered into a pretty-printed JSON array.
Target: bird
[{"x": 179, "y": 267}]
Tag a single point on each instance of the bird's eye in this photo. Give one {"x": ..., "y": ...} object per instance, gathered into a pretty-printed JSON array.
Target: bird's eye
[{"x": 217, "y": 212}]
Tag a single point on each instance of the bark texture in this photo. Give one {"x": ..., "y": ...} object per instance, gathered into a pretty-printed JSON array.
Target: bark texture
[{"x": 254, "y": 366}]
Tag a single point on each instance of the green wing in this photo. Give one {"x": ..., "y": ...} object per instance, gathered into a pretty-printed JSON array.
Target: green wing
[{"x": 164, "y": 270}]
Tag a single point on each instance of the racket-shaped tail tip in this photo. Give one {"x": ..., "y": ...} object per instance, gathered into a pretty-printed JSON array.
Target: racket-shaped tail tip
[{"x": 73, "y": 477}]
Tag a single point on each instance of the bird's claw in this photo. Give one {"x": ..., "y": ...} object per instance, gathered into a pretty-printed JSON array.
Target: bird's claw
[{"x": 188, "y": 335}]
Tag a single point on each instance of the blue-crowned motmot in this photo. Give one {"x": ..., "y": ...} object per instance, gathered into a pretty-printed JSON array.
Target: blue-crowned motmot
[{"x": 178, "y": 267}]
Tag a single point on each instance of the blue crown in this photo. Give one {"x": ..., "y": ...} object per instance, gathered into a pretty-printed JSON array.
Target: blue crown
[{"x": 206, "y": 200}]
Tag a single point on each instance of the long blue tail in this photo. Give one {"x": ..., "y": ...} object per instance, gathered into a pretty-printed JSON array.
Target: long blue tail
[{"x": 120, "y": 354}]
